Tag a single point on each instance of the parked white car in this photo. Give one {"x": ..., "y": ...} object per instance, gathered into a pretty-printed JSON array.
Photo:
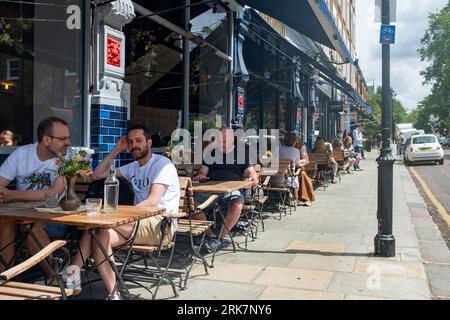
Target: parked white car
[{"x": 423, "y": 148}]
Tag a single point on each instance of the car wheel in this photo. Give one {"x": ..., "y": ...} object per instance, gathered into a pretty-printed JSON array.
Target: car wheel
[{"x": 441, "y": 162}]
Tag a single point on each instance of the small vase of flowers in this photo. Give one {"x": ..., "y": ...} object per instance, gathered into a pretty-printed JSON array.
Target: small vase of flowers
[{"x": 77, "y": 163}]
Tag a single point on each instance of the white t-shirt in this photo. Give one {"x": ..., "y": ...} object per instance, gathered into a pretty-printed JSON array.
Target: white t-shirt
[
  {"x": 160, "y": 170},
  {"x": 357, "y": 138},
  {"x": 30, "y": 172}
]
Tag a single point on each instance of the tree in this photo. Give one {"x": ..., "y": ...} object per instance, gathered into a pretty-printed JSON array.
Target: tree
[
  {"x": 436, "y": 50},
  {"x": 375, "y": 101}
]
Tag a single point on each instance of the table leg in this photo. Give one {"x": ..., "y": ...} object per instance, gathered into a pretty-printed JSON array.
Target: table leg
[{"x": 111, "y": 263}]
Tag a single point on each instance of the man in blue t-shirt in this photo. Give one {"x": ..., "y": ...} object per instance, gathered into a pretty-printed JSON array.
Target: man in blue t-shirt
[{"x": 231, "y": 169}]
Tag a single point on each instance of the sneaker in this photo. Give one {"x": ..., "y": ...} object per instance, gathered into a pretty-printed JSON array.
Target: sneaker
[
  {"x": 238, "y": 229},
  {"x": 115, "y": 296},
  {"x": 211, "y": 244},
  {"x": 72, "y": 277},
  {"x": 224, "y": 243}
]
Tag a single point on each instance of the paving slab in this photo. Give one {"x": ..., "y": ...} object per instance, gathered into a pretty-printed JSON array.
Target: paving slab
[
  {"x": 428, "y": 234},
  {"x": 439, "y": 276},
  {"x": 275, "y": 293},
  {"x": 224, "y": 271},
  {"x": 200, "y": 289},
  {"x": 383, "y": 287},
  {"x": 324, "y": 263},
  {"x": 315, "y": 247},
  {"x": 260, "y": 258},
  {"x": 435, "y": 251},
  {"x": 294, "y": 278},
  {"x": 401, "y": 269},
  {"x": 419, "y": 213}
]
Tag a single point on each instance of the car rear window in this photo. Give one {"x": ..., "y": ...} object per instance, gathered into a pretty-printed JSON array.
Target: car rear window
[{"x": 421, "y": 140}]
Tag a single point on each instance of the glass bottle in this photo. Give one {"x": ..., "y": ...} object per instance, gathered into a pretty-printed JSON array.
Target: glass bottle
[{"x": 111, "y": 191}]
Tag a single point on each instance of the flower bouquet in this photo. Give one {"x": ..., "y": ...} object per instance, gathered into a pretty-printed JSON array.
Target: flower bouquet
[{"x": 77, "y": 163}]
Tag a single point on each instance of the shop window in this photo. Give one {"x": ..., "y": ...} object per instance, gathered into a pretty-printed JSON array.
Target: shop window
[
  {"x": 12, "y": 69},
  {"x": 41, "y": 63}
]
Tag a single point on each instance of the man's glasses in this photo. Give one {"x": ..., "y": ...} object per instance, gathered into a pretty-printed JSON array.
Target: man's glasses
[{"x": 61, "y": 138}]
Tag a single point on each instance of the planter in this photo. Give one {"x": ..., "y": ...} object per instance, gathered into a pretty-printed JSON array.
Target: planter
[{"x": 70, "y": 201}]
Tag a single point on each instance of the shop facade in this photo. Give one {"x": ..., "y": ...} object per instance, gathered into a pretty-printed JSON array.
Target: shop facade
[{"x": 167, "y": 64}]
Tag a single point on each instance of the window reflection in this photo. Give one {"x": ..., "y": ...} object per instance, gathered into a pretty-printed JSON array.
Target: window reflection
[{"x": 40, "y": 67}]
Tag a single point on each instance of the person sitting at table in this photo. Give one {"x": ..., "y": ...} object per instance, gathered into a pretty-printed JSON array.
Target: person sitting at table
[
  {"x": 233, "y": 202},
  {"x": 325, "y": 147},
  {"x": 7, "y": 138},
  {"x": 287, "y": 151},
  {"x": 155, "y": 183},
  {"x": 34, "y": 169},
  {"x": 348, "y": 161}
]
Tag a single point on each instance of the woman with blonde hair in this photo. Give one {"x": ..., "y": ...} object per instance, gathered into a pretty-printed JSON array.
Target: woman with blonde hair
[
  {"x": 287, "y": 151},
  {"x": 306, "y": 188},
  {"x": 325, "y": 147}
]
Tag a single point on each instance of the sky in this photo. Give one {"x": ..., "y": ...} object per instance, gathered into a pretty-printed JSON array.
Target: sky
[{"x": 411, "y": 23}]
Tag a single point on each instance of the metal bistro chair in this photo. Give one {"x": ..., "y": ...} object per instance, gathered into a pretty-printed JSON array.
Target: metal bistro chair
[
  {"x": 286, "y": 169},
  {"x": 189, "y": 227}
]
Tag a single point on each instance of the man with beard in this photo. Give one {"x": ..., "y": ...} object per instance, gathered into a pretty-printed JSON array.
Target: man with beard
[
  {"x": 34, "y": 169},
  {"x": 155, "y": 183}
]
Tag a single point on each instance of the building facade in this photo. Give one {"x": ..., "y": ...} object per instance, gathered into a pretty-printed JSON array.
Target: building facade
[{"x": 176, "y": 63}]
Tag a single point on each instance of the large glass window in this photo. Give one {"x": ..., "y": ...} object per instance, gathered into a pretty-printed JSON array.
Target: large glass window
[
  {"x": 40, "y": 66},
  {"x": 154, "y": 69},
  {"x": 209, "y": 72}
]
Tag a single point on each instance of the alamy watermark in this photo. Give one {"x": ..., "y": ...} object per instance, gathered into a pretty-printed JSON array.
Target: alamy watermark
[{"x": 210, "y": 146}]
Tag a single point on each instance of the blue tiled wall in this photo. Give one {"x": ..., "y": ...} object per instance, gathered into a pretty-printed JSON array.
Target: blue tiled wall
[{"x": 108, "y": 124}]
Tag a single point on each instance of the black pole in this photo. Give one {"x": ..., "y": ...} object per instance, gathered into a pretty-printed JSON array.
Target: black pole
[
  {"x": 186, "y": 66},
  {"x": 384, "y": 240}
]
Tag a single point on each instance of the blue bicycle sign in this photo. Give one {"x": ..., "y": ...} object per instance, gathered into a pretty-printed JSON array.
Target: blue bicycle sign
[{"x": 387, "y": 34}]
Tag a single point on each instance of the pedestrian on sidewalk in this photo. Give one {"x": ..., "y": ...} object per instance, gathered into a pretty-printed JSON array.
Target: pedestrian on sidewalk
[{"x": 358, "y": 141}]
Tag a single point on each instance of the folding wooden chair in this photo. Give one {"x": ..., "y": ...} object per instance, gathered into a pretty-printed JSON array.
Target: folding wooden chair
[
  {"x": 12, "y": 290},
  {"x": 284, "y": 168},
  {"x": 187, "y": 226}
]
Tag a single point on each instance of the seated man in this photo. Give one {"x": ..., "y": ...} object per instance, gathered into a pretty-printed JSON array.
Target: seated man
[
  {"x": 155, "y": 183},
  {"x": 34, "y": 168},
  {"x": 226, "y": 172}
]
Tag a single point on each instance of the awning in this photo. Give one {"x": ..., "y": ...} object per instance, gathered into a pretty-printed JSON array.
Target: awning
[
  {"x": 308, "y": 50},
  {"x": 309, "y": 17}
]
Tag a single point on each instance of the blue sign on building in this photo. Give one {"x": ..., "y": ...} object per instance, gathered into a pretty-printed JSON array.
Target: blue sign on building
[{"x": 387, "y": 34}]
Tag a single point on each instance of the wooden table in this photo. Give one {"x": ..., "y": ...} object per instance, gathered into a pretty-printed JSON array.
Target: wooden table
[
  {"x": 25, "y": 212},
  {"x": 220, "y": 186}
]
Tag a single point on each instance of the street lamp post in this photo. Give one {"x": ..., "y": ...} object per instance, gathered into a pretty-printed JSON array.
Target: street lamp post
[{"x": 384, "y": 240}]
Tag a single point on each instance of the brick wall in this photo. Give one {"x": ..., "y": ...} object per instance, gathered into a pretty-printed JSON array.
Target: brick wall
[{"x": 108, "y": 124}]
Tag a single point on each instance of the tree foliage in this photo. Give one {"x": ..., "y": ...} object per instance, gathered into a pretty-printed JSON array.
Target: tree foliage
[{"x": 436, "y": 50}]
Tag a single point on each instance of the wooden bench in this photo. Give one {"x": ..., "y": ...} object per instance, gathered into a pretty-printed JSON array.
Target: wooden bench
[{"x": 11, "y": 290}]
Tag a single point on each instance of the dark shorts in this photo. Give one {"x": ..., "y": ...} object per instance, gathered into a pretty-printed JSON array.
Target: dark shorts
[{"x": 55, "y": 230}]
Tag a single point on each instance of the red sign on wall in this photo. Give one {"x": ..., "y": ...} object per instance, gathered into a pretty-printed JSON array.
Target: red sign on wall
[{"x": 113, "y": 52}]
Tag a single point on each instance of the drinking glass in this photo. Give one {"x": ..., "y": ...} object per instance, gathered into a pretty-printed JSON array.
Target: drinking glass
[
  {"x": 93, "y": 206},
  {"x": 51, "y": 199}
]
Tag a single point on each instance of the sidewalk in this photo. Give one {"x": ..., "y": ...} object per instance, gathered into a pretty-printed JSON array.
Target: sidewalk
[{"x": 326, "y": 251}]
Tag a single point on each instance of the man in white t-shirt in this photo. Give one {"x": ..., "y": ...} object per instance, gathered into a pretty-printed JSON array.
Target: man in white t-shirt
[
  {"x": 155, "y": 183},
  {"x": 34, "y": 169}
]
